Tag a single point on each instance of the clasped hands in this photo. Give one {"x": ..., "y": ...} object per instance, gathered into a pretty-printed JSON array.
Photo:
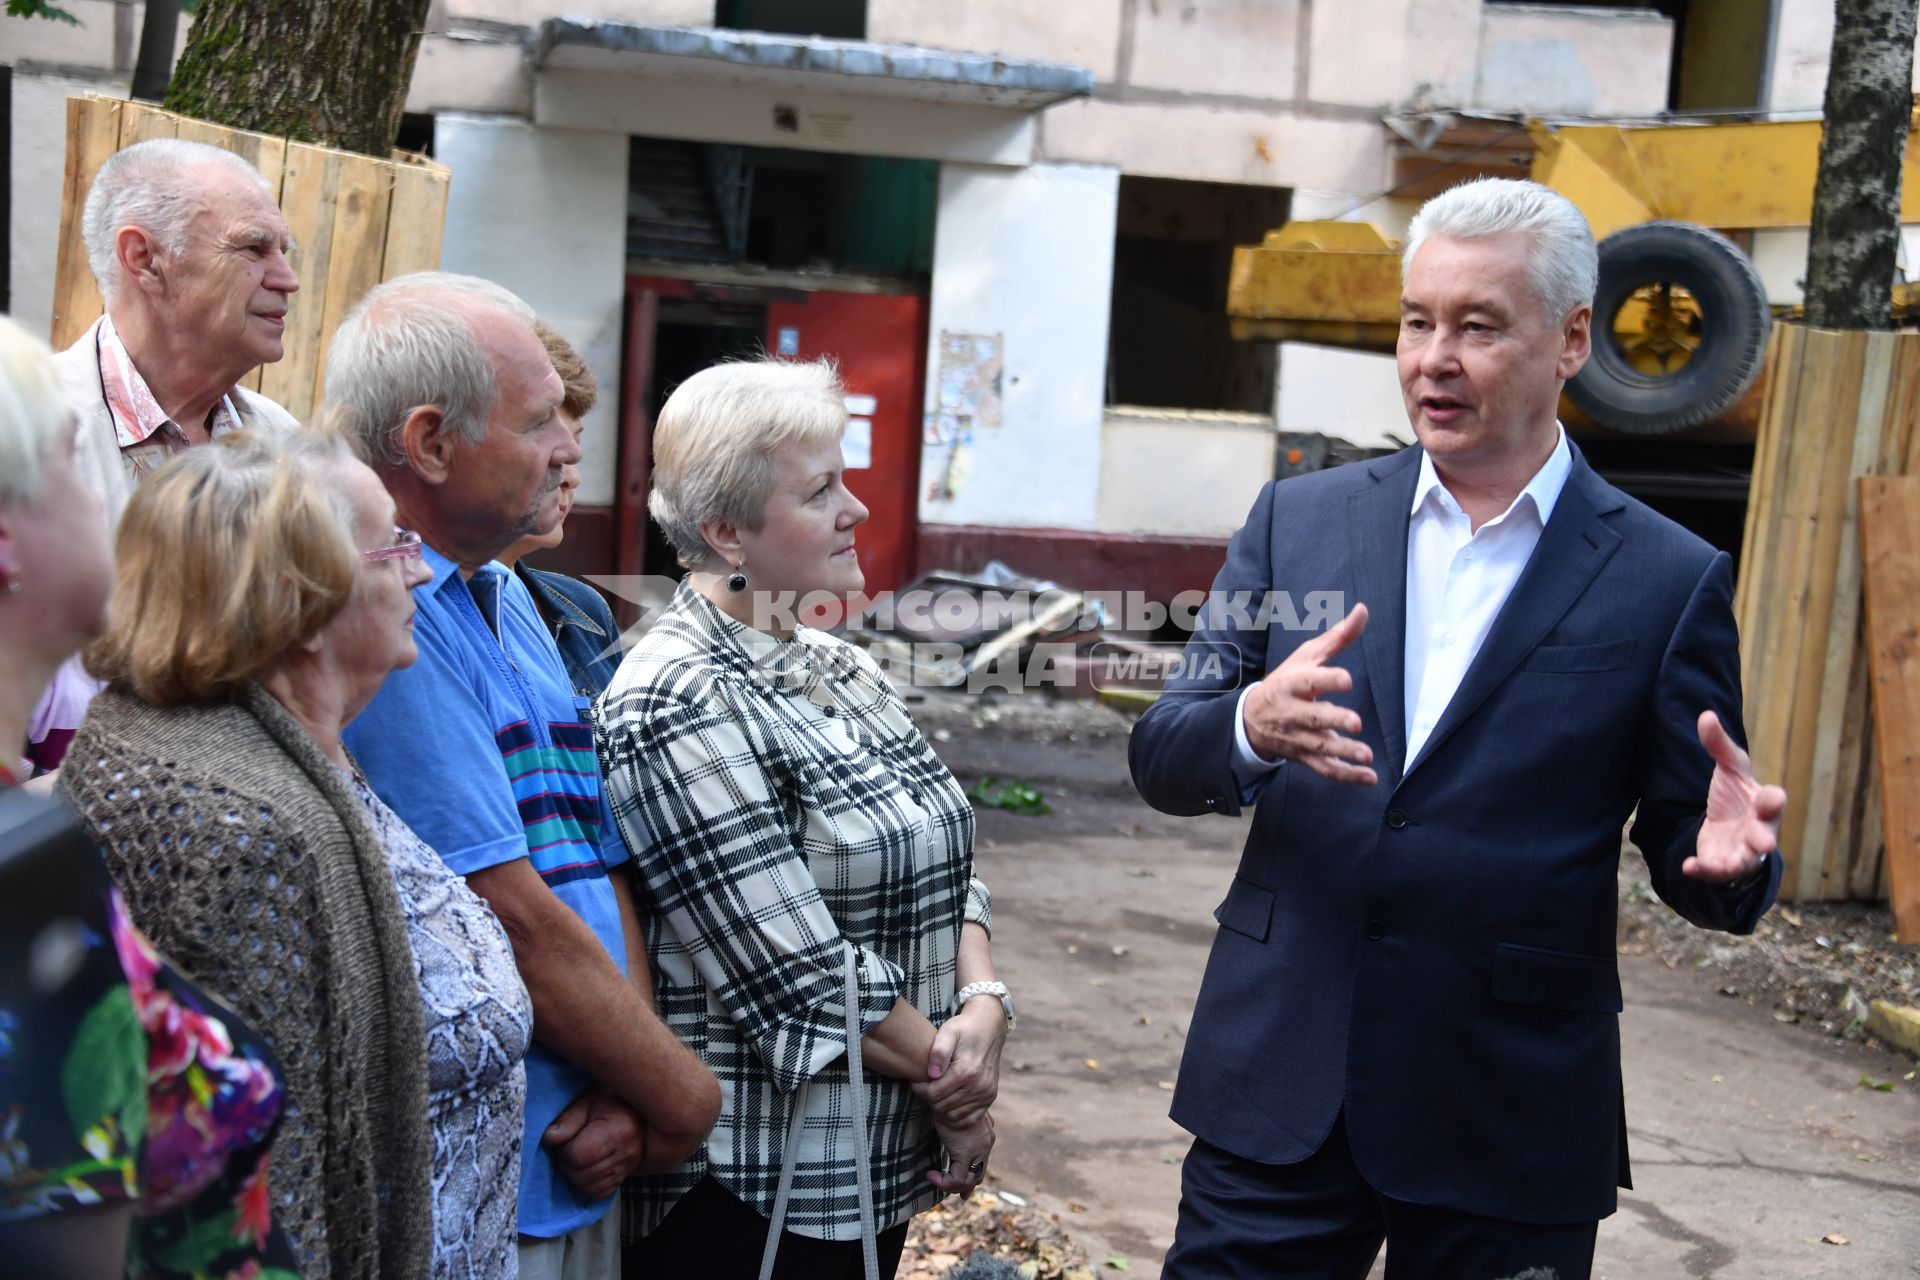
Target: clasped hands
[
  {"x": 598, "y": 1141},
  {"x": 963, "y": 1079},
  {"x": 1284, "y": 720}
]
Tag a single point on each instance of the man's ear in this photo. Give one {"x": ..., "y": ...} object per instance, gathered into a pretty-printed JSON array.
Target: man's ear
[
  {"x": 724, "y": 537},
  {"x": 1576, "y": 342},
  {"x": 427, "y": 444},
  {"x": 138, "y": 256}
]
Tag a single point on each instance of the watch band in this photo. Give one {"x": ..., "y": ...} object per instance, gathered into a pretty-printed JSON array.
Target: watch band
[{"x": 998, "y": 990}]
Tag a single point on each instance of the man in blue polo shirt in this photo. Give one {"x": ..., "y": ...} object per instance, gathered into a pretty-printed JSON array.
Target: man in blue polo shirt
[{"x": 482, "y": 747}]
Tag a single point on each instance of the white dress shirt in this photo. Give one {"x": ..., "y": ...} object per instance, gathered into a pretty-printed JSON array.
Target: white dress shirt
[{"x": 1458, "y": 577}]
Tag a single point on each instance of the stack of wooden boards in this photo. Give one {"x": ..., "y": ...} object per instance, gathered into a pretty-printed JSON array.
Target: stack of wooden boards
[
  {"x": 1840, "y": 421},
  {"x": 356, "y": 220}
]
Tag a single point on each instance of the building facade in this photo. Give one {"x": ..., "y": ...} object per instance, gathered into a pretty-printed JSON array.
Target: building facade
[{"x": 1010, "y": 221}]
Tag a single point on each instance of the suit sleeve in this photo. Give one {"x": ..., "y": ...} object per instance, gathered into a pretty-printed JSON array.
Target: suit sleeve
[
  {"x": 1181, "y": 752},
  {"x": 1700, "y": 671}
]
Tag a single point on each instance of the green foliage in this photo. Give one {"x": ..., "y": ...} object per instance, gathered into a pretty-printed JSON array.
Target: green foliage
[
  {"x": 1878, "y": 1086},
  {"x": 1016, "y": 797},
  {"x": 40, "y": 9}
]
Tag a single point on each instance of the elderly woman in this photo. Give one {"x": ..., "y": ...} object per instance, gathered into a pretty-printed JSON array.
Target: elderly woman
[
  {"x": 263, "y": 595},
  {"x": 99, "y": 1176},
  {"x": 576, "y": 614},
  {"x": 805, "y": 861}
]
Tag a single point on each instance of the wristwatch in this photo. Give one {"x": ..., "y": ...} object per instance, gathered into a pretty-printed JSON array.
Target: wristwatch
[{"x": 996, "y": 989}]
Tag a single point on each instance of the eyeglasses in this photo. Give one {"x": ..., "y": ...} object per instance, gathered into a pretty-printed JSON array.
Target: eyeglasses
[{"x": 406, "y": 546}]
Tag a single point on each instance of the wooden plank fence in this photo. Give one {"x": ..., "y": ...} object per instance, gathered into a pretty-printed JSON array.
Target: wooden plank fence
[
  {"x": 1890, "y": 547},
  {"x": 1840, "y": 405},
  {"x": 356, "y": 220}
]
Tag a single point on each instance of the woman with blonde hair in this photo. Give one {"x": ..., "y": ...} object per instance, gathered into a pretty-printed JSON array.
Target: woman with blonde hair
[
  {"x": 805, "y": 863},
  {"x": 263, "y": 595}
]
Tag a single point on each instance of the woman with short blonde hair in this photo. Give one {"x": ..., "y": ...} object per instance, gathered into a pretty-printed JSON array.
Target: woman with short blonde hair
[
  {"x": 804, "y": 859},
  {"x": 264, "y": 594}
]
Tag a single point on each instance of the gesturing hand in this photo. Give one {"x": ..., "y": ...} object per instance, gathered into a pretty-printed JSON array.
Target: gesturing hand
[
  {"x": 1742, "y": 825},
  {"x": 1285, "y": 722}
]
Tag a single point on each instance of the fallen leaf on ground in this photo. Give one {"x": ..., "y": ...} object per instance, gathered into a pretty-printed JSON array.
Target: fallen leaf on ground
[
  {"x": 1833, "y": 1239},
  {"x": 1878, "y": 1086},
  {"x": 1117, "y": 1262},
  {"x": 1093, "y": 1064}
]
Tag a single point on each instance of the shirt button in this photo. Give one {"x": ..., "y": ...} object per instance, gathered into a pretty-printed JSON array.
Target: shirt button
[
  {"x": 1397, "y": 818},
  {"x": 1469, "y": 553},
  {"x": 1376, "y": 930}
]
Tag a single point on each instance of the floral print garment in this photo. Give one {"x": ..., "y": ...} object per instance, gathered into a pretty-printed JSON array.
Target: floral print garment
[{"x": 122, "y": 1082}]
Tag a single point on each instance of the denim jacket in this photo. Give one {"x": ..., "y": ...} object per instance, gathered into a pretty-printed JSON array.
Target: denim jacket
[{"x": 582, "y": 627}]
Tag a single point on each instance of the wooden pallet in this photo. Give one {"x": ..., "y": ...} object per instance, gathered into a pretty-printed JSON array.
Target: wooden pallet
[
  {"x": 1839, "y": 406},
  {"x": 356, "y": 220}
]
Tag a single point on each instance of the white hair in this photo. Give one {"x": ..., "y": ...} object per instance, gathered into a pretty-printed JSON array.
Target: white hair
[
  {"x": 1564, "y": 263},
  {"x": 410, "y": 342},
  {"x": 714, "y": 443},
  {"x": 155, "y": 186},
  {"x": 34, "y": 416}
]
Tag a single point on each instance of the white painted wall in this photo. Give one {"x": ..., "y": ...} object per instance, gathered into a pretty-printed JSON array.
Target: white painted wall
[
  {"x": 39, "y": 171},
  {"x": 1182, "y": 474},
  {"x": 671, "y": 13},
  {"x": 1270, "y": 148},
  {"x": 712, "y": 110},
  {"x": 1028, "y": 254},
  {"x": 1354, "y": 395},
  {"x": 1083, "y": 32},
  {"x": 1593, "y": 62},
  {"x": 1249, "y": 48},
  {"x": 543, "y": 212}
]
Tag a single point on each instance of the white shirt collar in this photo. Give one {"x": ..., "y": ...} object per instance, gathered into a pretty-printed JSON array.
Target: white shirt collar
[{"x": 1544, "y": 489}]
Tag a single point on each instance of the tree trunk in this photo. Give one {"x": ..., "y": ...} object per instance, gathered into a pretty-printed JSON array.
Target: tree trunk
[
  {"x": 331, "y": 72},
  {"x": 1856, "y": 200},
  {"x": 154, "y": 67}
]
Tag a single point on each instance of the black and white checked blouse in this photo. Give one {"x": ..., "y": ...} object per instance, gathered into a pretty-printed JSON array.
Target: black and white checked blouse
[{"x": 781, "y": 807}]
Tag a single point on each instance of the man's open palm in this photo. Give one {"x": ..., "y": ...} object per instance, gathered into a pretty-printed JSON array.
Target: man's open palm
[{"x": 1742, "y": 825}]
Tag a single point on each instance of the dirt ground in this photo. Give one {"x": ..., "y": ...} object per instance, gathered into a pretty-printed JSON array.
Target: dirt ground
[{"x": 1754, "y": 1137}]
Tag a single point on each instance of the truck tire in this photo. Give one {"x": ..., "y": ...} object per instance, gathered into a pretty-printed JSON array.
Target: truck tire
[{"x": 1731, "y": 330}]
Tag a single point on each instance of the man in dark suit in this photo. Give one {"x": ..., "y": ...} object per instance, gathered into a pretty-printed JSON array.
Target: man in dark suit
[{"x": 1408, "y": 1028}]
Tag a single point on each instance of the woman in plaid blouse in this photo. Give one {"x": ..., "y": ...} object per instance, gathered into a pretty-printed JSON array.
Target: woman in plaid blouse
[{"x": 786, "y": 816}]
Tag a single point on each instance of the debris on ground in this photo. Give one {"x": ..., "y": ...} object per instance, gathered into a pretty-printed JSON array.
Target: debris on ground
[
  {"x": 1818, "y": 965},
  {"x": 1015, "y": 797},
  {"x": 991, "y": 1235}
]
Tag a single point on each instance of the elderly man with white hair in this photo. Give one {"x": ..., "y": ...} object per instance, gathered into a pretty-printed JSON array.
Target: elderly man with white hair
[
  {"x": 190, "y": 253},
  {"x": 483, "y": 747},
  {"x": 1409, "y": 1026}
]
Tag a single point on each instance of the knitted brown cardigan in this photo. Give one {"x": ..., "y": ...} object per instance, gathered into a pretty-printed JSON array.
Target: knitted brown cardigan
[{"x": 245, "y": 856}]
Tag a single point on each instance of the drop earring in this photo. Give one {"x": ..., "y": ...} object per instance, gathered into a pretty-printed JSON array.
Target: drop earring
[
  {"x": 737, "y": 580},
  {"x": 13, "y": 585}
]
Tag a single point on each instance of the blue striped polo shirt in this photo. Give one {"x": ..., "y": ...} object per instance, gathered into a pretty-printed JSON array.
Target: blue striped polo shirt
[{"x": 485, "y": 751}]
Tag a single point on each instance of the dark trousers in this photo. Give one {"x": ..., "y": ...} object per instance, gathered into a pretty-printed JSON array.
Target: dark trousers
[
  {"x": 1319, "y": 1220},
  {"x": 712, "y": 1234}
]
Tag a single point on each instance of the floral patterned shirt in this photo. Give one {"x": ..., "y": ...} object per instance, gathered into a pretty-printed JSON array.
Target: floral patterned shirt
[{"x": 122, "y": 1082}]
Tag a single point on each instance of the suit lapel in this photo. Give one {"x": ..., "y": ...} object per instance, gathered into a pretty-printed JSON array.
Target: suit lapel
[
  {"x": 1572, "y": 549},
  {"x": 1379, "y": 514}
]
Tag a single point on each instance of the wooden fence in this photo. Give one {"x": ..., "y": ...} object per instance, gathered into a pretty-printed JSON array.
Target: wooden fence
[
  {"x": 1840, "y": 405},
  {"x": 356, "y": 220}
]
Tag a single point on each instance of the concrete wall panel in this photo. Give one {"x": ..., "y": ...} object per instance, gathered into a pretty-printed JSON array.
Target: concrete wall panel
[
  {"x": 1215, "y": 144},
  {"x": 1026, "y": 254},
  {"x": 460, "y": 73},
  {"x": 1249, "y": 48},
  {"x": 716, "y": 111},
  {"x": 104, "y": 38},
  {"x": 1085, "y": 33},
  {"x": 39, "y": 112},
  {"x": 1182, "y": 475},
  {"x": 1392, "y": 52},
  {"x": 668, "y": 13},
  {"x": 544, "y": 212},
  {"x": 1595, "y": 62},
  {"x": 1354, "y": 395}
]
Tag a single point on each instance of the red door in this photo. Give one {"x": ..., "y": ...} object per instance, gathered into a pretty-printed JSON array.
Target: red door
[{"x": 880, "y": 342}]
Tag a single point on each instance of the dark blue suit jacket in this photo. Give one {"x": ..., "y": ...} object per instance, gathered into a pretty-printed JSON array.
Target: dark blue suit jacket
[{"x": 1435, "y": 954}]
